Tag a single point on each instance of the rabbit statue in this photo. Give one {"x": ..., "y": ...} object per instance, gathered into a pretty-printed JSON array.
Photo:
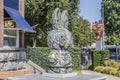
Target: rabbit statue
[{"x": 59, "y": 40}]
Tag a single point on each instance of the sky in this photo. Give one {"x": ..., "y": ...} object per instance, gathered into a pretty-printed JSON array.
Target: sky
[{"x": 90, "y": 10}]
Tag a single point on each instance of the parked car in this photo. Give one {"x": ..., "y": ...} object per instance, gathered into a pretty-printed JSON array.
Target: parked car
[{"x": 114, "y": 51}]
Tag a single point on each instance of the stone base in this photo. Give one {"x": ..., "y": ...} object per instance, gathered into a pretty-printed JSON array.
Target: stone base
[
  {"x": 57, "y": 75},
  {"x": 48, "y": 76}
]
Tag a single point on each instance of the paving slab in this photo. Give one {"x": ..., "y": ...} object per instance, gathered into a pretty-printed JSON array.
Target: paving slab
[
  {"x": 109, "y": 77},
  {"x": 77, "y": 77},
  {"x": 57, "y": 75}
]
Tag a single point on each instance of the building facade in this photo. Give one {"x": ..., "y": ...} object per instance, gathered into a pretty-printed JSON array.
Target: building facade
[
  {"x": 12, "y": 24},
  {"x": 13, "y": 60}
]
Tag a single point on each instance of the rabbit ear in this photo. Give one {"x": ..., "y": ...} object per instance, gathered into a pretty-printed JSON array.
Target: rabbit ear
[
  {"x": 56, "y": 17},
  {"x": 64, "y": 19}
]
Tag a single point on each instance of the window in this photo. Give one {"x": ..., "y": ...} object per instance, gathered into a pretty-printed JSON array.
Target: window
[
  {"x": 11, "y": 34},
  {"x": 118, "y": 1}
]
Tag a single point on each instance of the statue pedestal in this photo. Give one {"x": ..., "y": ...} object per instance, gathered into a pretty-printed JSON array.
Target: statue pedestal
[
  {"x": 53, "y": 76},
  {"x": 57, "y": 75}
]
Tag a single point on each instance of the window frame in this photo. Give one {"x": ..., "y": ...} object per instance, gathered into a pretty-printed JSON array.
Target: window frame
[{"x": 16, "y": 37}]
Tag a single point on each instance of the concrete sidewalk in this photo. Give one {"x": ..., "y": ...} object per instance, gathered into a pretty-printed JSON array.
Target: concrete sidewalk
[
  {"x": 109, "y": 77},
  {"x": 86, "y": 75},
  {"x": 77, "y": 77}
]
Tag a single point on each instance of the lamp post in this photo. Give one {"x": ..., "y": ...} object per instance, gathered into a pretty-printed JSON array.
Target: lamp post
[
  {"x": 101, "y": 41},
  {"x": 102, "y": 12}
]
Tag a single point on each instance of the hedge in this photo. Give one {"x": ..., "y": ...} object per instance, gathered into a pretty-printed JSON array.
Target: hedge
[
  {"x": 98, "y": 57},
  {"x": 39, "y": 56}
]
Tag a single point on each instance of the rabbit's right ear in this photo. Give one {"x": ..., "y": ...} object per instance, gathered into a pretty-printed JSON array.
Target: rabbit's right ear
[
  {"x": 56, "y": 17},
  {"x": 64, "y": 19}
]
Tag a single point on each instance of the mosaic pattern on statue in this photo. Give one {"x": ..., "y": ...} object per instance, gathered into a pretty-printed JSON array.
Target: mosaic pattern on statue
[{"x": 59, "y": 40}]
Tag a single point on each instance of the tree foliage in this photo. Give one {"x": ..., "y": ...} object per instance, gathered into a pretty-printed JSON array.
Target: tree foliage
[
  {"x": 82, "y": 33},
  {"x": 112, "y": 20},
  {"x": 97, "y": 30},
  {"x": 39, "y": 12}
]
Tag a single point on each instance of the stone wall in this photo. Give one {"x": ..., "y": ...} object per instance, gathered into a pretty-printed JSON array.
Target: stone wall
[{"x": 12, "y": 60}]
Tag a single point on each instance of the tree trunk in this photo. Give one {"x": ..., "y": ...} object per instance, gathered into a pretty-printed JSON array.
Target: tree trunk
[{"x": 34, "y": 42}]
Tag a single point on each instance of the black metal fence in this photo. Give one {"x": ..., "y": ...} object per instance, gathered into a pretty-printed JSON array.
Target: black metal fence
[{"x": 86, "y": 60}]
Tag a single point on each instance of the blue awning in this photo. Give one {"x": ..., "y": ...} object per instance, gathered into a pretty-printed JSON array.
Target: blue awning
[
  {"x": 19, "y": 20},
  {"x": 14, "y": 4}
]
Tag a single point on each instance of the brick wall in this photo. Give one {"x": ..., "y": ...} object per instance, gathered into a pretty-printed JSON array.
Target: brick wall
[
  {"x": 1, "y": 23},
  {"x": 21, "y": 9}
]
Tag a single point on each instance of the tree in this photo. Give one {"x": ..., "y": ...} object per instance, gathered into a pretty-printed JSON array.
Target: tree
[
  {"x": 97, "y": 30},
  {"x": 82, "y": 33},
  {"x": 40, "y": 12},
  {"x": 112, "y": 20}
]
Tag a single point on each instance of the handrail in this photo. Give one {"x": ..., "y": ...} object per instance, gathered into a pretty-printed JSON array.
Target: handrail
[
  {"x": 36, "y": 67},
  {"x": 36, "y": 57}
]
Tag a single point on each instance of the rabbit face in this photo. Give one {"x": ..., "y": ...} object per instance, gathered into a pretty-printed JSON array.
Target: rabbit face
[{"x": 58, "y": 39}]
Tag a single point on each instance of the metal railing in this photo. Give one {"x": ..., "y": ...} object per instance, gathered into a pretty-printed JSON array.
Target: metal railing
[{"x": 37, "y": 57}]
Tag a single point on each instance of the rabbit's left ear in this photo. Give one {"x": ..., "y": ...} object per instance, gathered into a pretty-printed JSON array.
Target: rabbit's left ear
[
  {"x": 56, "y": 17},
  {"x": 64, "y": 19}
]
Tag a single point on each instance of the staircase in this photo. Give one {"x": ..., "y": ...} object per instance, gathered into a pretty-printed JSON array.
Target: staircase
[{"x": 14, "y": 62}]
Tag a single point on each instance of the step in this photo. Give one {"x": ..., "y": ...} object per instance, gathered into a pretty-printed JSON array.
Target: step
[{"x": 15, "y": 73}]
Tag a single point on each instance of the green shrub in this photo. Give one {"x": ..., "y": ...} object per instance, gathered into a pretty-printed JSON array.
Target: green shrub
[
  {"x": 39, "y": 55},
  {"x": 98, "y": 57},
  {"x": 107, "y": 70},
  {"x": 99, "y": 69},
  {"x": 110, "y": 67},
  {"x": 113, "y": 72},
  {"x": 111, "y": 63},
  {"x": 118, "y": 73},
  {"x": 119, "y": 68}
]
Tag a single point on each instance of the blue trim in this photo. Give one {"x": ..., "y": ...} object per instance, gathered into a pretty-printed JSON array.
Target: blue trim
[{"x": 12, "y": 4}]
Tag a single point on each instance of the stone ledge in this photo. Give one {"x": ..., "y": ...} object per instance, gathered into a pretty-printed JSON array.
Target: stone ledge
[
  {"x": 57, "y": 75},
  {"x": 11, "y": 49}
]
